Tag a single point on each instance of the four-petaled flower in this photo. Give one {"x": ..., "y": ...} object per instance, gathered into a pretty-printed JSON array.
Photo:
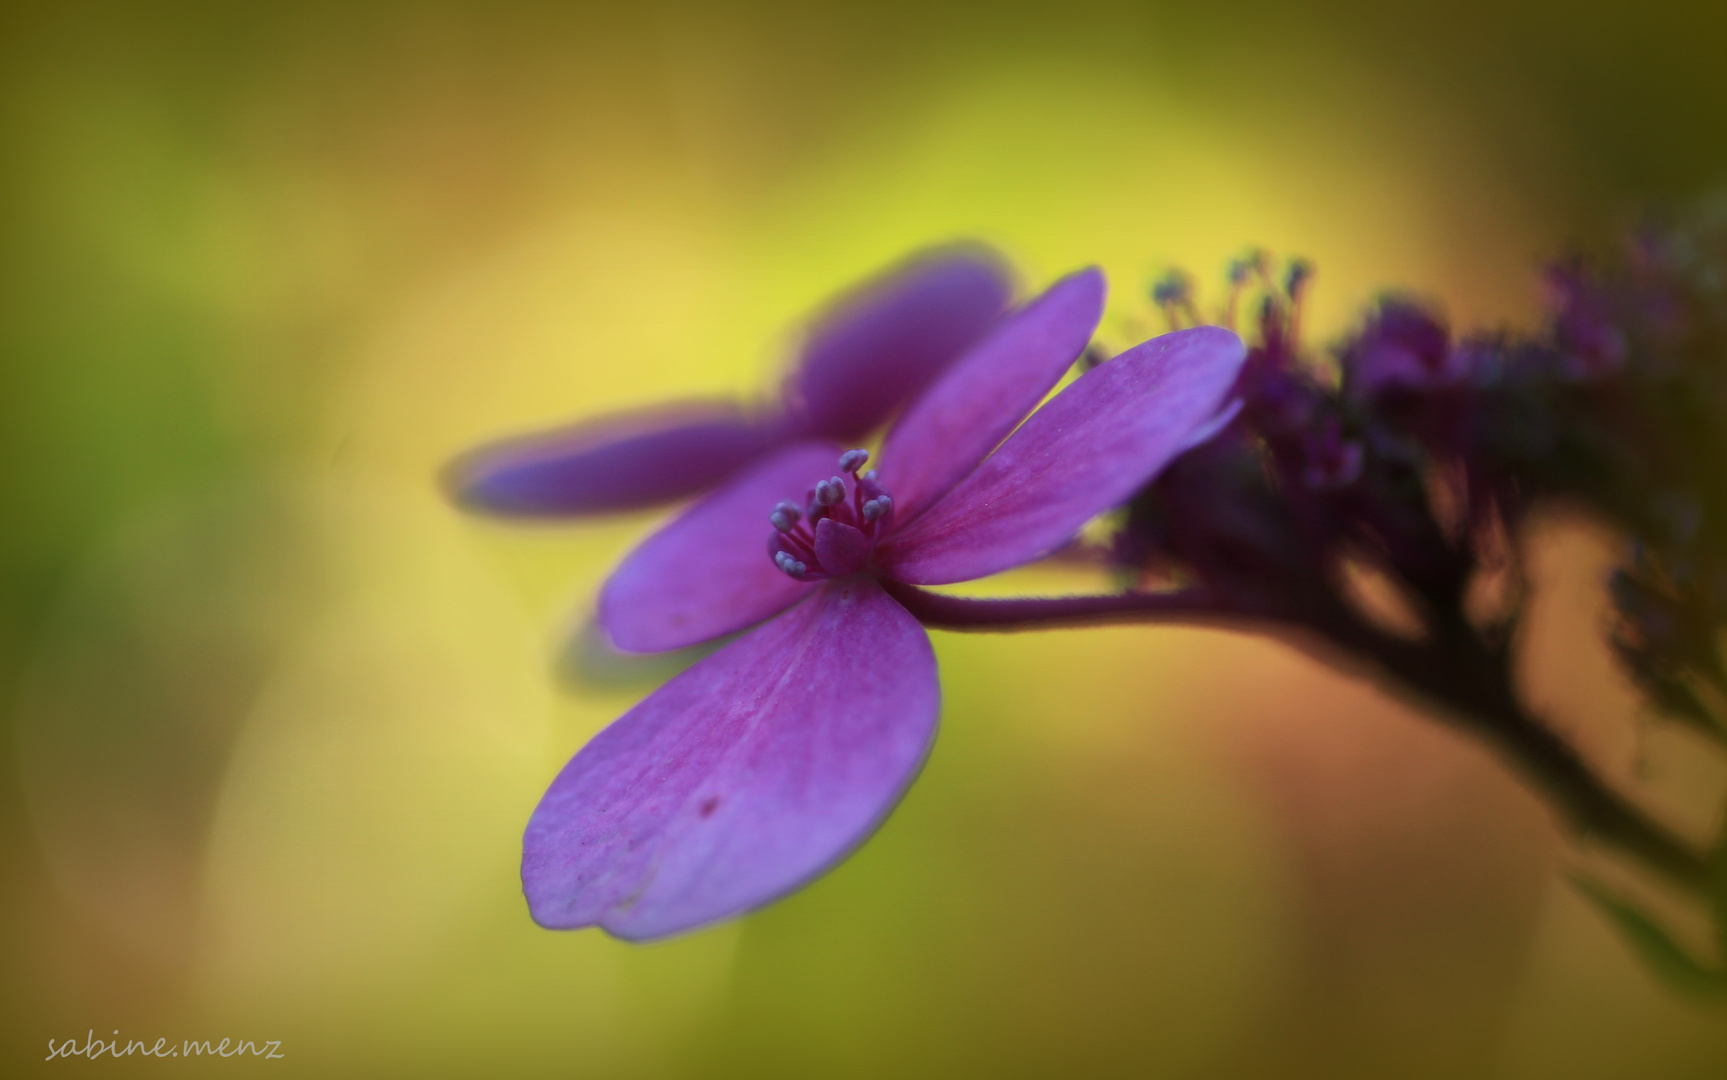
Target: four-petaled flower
[
  {"x": 765, "y": 763},
  {"x": 868, "y": 354}
]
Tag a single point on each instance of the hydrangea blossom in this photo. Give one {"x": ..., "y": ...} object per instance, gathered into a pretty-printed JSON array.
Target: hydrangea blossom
[
  {"x": 868, "y": 354},
  {"x": 762, "y": 765}
]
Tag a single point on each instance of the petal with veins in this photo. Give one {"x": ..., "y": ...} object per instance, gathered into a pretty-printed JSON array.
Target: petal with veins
[
  {"x": 742, "y": 778},
  {"x": 946, "y": 432},
  {"x": 708, "y": 572},
  {"x": 1085, "y": 451}
]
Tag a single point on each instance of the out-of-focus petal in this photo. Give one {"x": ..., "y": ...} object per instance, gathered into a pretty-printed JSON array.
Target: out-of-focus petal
[
  {"x": 587, "y": 660},
  {"x": 1087, "y": 450},
  {"x": 708, "y": 572},
  {"x": 876, "y": 348},
  {"x": 742, "y": 778},
  {"x": 614, "y": 463},
  {"x": 946, "y": 432}
]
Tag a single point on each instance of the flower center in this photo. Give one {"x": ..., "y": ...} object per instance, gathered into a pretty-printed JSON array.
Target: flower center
[{"x": 835, "y": 530}]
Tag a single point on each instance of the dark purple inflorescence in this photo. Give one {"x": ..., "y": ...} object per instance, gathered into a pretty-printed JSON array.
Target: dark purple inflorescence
[{"x": 1418, "y": 454}]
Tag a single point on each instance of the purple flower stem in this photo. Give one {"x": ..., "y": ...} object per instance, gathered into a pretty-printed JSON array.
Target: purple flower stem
[
  {"x": 1451, "y": 667},
  {"x": 945, "y": 612}
]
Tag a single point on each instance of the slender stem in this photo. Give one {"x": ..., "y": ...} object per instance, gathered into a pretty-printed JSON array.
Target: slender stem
[
  {"x": 1475, "y": 685},
  {"x": 1452, "y": 668},
  {"x": 1035, "y": 613}
]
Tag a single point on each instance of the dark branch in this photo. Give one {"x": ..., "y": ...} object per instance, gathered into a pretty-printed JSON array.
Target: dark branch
[{"x": 1471, "y": 684}]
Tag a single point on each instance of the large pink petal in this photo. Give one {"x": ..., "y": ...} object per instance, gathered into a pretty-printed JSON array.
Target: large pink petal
[
  {"x": 619, "y": 462},
  {"x": 708, "y": 573},
  {"x": 1091, "y": 447},
  {"x": 877, "y": 347},
  {"x": 946, "y": 432},
  {"x": 742, "y": 778}
]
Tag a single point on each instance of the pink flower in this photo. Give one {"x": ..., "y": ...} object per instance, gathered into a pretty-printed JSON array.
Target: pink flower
[
  {"x": 868, "y": 353},
  {"x": 765, "y": 763}
]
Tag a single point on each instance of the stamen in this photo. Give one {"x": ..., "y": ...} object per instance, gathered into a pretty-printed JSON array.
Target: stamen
[
  {"x": 858, "y": 503},
  {"x": 785, "y": 516},
  {"x": 830, "y": 492},
  {"x": 1295, "y": 284},
  {"x": 1174, "y": 294}
]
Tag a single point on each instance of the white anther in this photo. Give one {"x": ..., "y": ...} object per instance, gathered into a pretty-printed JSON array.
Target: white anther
[{"x": 785, "y": 516}]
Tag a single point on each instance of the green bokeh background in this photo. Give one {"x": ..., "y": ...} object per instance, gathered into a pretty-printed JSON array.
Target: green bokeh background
[{"x": 276, "y": 714}]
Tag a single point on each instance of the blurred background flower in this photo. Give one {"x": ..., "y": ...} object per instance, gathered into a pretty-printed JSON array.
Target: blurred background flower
[{"x": 278, "y": 713}]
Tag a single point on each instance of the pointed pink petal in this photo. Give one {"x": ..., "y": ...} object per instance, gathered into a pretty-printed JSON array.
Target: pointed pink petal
[
  {"x": 614, "y": 463},
  {"x": 876, "y": 348},
  {"x": 744, "y": 777},
  {"x": 946, "y": 432},
  {"x": 708, "y": 573},
  {"x": 1087, "y": 450}
]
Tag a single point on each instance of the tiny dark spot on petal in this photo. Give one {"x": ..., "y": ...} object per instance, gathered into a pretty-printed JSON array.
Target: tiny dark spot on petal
[{"x": 709, "y": 805}]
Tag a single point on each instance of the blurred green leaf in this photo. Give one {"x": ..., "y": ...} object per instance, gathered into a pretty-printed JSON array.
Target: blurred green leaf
[{"x": 1666, "y": 957}]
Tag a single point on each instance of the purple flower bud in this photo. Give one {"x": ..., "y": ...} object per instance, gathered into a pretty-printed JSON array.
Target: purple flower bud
[
  {"x": 1584, "y": 326},
  {"x": 1332, "y": 461},
  {"x": 1405, "y": 347}
]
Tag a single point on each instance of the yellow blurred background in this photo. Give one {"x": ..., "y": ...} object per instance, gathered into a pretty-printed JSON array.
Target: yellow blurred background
[{"x": 277, "y": 713}]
